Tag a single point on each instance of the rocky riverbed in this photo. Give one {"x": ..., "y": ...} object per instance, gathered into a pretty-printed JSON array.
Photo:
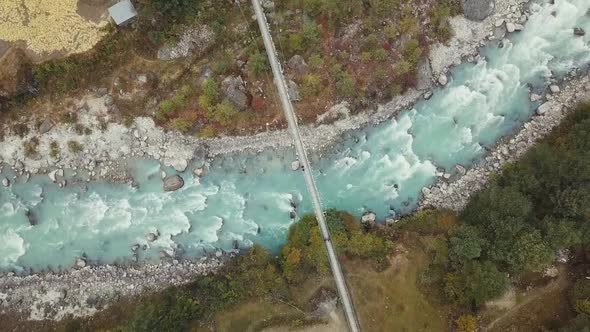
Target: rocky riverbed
[
  {"x": 83, "y": 291},
  {"x": 103, "y": 151},
  {"x": 454, "y": 188}
]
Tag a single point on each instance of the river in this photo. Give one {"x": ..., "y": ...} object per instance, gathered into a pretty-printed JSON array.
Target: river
[{"x": 248, "y": 197}]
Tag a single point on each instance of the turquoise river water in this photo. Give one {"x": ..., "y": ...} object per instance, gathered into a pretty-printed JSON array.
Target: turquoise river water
[{"x": 247, "y": 197}]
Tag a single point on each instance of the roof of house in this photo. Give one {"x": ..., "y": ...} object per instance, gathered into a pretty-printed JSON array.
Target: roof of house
[{"x": 122, "y": 12}]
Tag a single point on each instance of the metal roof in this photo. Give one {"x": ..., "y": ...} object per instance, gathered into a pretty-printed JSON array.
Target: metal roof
[{"x": 122, "y": 12}]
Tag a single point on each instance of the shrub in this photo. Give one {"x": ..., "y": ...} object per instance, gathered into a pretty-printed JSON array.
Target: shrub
[
  {"x": 409, "y": 25},
  {"x": 257, "y": 64},
  {"x": 380, "y": 55},
  {"x": 391, "y": 31},
  {"x": 224, "y": 112},
  {"x": 208, "y": 132},
  {"x": 30, "y": 147},
  {"x": 346, "y": 85},
  {"x": 74, "y": 146},
  {"x": 466, "y": 323},
  {"x": 315, "y": 61},
  {"x": 182, "y": 125},
  {"x": 311, "y": 85},
  {"x": 412, "y": 51},
  {"x": 366, "y": 57},
  {"x": 53, "y": 149},
  {"x": 581, "y": 296}
]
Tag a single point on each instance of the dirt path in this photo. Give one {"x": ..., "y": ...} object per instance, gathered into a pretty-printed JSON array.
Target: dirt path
[{"x": 555, "y": 285}]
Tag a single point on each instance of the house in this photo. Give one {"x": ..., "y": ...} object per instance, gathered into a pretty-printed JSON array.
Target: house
[{"x": 122, "y": 12}]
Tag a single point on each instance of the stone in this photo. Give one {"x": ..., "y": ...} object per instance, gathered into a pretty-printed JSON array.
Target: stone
[
  {"x": 368, "y": 219},
  {"x": 195, "y": 40},
  {"x": 173, "y": 183},
  {"x": 478, "y": 10},
  {"x": 179, "y": 165},
  {"x": 52, "y": 176},
  {"x": 5, "y": 182},
  {"x": 510, "y": 27},
  {"x": 199, "y": 172},
  {"x": 460, "y": 170},
  {"x": 135, "y": 247},
  {"x": 535, "y": 97},
  {"x": 298, "y": 65},
  {"x": 234, "y": 90},
  {"x": 554, "y": 89},
  {"x": 442, "y": 79},
  {"x": 424, "y": 75},
  {"x": 295, "y": 165},
  {"x": 108, "y": 100},
  {"x": 427, "y": 95},
  {"x": 151, "y": 237},
  {"x": 101, "y": 92},
  {"x": 80, "y": 262},
  {"x": 293, "y": 90},
  {"x": 45, "y": 126},
  {"x": 579, "y": 32},
  {"x": 544, "y": 108}
]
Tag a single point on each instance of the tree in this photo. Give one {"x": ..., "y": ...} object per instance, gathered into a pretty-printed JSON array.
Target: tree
[
  {"x": 533, "y": 254},
  {"x": 466, "y": 244},
  {"x": 483, "y": 281},
  {"x": 561, "y": 234}
]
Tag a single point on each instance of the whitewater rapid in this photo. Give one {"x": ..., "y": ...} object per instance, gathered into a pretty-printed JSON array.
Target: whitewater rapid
[{"x": 249, "y": 198}]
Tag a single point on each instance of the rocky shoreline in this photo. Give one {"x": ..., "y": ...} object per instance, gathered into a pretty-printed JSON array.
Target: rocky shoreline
[
  {"x": 82, "y": 292},
  {"x": 454, "y": 192},
  {"x": 104, "y": 151}
]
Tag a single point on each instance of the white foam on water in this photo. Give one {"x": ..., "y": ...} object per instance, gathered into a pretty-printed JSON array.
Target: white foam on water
[
  {"x": 385, "y": 168},
  {"x": 12, "y": 248}
]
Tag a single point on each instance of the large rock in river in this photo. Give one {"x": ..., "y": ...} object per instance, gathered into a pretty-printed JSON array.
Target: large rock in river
[
  {"x": 16, "y": 75},
  {"x": 478, "y": 10},
  {"x": 172, "y": 183}
]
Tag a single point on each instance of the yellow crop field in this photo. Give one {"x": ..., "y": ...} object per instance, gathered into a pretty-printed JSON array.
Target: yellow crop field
[{"x": 47, "y": 26}]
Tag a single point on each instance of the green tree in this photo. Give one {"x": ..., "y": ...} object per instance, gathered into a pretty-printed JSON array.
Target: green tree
[
  {"x": 532, "y": 252},
  {"x": 561, "y": 234},
  {"x": 465, "y": 245},
  {"x": 483, "y": 281}
]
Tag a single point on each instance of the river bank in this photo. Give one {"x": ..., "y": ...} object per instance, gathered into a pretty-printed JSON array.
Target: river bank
[
  {"x": 146, "y": 140},
  {"x": 105, "y": 148}
]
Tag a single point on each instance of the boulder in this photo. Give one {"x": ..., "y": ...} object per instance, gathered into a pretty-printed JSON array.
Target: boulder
[
  {"x": 293, "y": 90},
  {"x": 298, "y": 65},
  {"x": 5, "y": 182},
  {"x": 544, "y": 108},
  {"x": 80, "y": 262},
  {"x": 579, "y": 32},
  {"x": 151, "y": 237},
  {"x": 554, "y": 89},
  {"x": 45, "y": 126},
  {"x": 32, "y": 218},
  {"x": 443, "y": 80},
  {"x": 16, "y": 74},
  {"x": 478, "y": 10},
  {"x": 424, "y": 76},
  {"x": 427, "y": 95},
  {"x": 295, "y": 165},
  {"x": 199, "y": 171},
  {"x": 535, "y": 97},
  {"x": 510, "y": 27},
  {"x": 172, "y": 183},
  {"x": 234, "y": 90},
  {"x": 368, "y": 219}
]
